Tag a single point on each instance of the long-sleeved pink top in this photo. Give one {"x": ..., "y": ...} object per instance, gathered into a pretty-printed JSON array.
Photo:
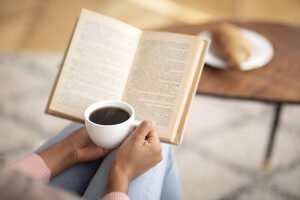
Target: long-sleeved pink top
[{"x": 34, "y": 166}]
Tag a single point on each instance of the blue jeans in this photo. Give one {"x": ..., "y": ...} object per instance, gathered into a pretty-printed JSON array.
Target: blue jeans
[{"x": 89, "y": 179}]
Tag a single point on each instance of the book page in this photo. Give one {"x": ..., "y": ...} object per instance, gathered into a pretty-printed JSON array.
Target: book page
[
  {"x": 97, "y": 64},
  {"x": 161, "y": 78}
]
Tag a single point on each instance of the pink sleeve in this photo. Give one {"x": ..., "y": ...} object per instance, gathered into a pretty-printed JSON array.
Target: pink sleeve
[
  {"x": 115, "y": 196},
  {"x": 34, "y": 166}
]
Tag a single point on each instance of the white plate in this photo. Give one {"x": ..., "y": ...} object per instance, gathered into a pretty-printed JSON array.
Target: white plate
[{"x": 262, "y": 51}]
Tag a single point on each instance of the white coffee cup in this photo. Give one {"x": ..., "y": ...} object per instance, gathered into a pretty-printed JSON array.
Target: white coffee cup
[{"x": 110, "y": 136}]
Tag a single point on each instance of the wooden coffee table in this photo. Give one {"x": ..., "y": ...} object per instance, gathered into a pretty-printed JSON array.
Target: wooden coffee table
[{"x": 277, "y": 83}]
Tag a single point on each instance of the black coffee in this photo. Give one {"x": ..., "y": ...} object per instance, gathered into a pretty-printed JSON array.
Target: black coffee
[{"x": 109, "y": 116}]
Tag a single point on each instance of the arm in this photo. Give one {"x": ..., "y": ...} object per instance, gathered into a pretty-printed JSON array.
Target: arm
[
  {"x": 144, "y": 149},
  {"x": 34, "y": 166},
  {"x": 75, "y": 148},
  {"x": 14, "y": 185}
]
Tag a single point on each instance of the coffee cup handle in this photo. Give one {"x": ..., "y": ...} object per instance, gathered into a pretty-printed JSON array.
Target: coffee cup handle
[{"x": 135, "y": 123}]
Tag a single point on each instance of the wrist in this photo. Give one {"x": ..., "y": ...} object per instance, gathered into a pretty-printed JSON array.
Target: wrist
[
  {"x": 118, "y": 179},
  {"x": 58, "y": 157}
]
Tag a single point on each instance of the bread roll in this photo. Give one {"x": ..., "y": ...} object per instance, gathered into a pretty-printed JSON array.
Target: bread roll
[{"x": 229, "y": 42}]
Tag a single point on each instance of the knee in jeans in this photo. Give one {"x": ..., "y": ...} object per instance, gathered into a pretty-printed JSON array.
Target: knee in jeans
[{"x": 166, "y": 148}]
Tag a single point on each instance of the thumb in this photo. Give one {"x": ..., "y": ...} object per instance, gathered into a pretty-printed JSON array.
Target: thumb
[{"x": 143, "y": 129}]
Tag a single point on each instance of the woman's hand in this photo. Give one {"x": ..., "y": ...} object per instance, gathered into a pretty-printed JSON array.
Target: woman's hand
[
  {"x": 84, "y": 149},
  {"x": 75, "y": 148},
  {"x": 139, "y": 152}
]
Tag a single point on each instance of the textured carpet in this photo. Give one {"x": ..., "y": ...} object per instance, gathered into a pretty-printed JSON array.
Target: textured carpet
[{"x": 222, "y": 150}]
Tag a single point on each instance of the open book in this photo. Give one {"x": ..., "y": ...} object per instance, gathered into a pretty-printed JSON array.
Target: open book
[{"x": 155, "y": 72}]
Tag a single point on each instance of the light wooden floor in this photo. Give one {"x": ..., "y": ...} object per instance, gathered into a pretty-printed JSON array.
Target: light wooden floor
[
  {"x": 39, "y": 25},
  {"x": 220, "y": 157}
]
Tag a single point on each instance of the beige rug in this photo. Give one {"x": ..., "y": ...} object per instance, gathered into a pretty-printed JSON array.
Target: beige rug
[{"x": 222, "y": 149}]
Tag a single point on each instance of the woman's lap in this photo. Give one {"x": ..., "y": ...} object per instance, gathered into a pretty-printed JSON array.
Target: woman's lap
[
  {"x": 89, "y": 179},
  {"x": 147, "y": 186}
]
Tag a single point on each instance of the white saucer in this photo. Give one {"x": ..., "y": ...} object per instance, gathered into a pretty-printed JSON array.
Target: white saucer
[{"x": 262, "y": 51}]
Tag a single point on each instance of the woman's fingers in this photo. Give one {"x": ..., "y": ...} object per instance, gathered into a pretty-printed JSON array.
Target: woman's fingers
[
  {"x": 153, "y": 137},
  {"x": 91, "y": 152},
  {"x": 143, "y": 129}
]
